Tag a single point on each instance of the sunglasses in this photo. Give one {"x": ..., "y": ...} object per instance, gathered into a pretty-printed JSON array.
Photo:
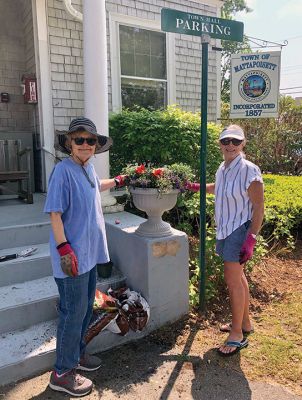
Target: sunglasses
[
  {"x": 235, "y": 142},
  {"x": 80, "y": 140}
]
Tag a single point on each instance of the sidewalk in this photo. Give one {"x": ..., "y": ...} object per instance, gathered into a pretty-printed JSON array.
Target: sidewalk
[{"x": 164, "y": 365}]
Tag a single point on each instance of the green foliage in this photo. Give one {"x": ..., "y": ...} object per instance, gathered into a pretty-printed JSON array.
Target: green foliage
[
  {"x": 229, "y": 8},
  {"x": 194, "y": 282},
  {"x": 214, "y": 157},
  {"x": 228, "y": 48},
  {"x": 161, "y": 137},
  {"x": 283, "y": 213},
  {"x": 284, "y": 194},
  {"x": 182, "y": 171},
  {"x": 187, "y": 213},
  {"x": 274, "y": 144}
]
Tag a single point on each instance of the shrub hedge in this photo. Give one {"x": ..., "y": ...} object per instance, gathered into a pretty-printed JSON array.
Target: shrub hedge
[
  {"x": 283, "y": 208},
  {"x": 284, "y": 194},
  {"x": 161, "y": 137}
]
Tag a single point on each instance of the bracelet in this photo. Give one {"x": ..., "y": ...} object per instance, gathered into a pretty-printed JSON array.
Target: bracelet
[{"x": 254, "y": 235}]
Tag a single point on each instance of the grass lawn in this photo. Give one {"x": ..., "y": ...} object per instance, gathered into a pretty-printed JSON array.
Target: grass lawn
[{"x": 276, "y": 347}]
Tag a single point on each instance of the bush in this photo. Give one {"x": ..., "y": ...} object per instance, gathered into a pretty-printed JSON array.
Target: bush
[
  {"x": 185, "y": 216},
  {"x": 284, "y": 194},
  {"x": 163, "y": 138},
  {"x": 283, "y": 209}
]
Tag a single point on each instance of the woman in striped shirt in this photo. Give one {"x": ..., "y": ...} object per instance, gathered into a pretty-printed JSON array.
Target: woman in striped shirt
[{"x": 239, "y": 210}]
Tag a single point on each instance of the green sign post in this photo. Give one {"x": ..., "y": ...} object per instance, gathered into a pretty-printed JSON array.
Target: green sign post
[{"x": 206, "y": 27}]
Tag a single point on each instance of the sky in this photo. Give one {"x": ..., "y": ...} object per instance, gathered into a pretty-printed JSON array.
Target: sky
[{"x": 277, "y": 21}]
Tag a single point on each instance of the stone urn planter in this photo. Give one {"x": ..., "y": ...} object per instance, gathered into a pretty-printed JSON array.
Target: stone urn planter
[{"x": 154, "y": 204}]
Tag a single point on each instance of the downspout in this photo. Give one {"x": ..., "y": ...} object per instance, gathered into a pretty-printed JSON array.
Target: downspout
[{"x": 72, "y": 11}]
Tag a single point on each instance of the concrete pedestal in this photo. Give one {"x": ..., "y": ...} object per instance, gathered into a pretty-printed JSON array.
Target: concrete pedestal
[{"x": 155, "y": 267}]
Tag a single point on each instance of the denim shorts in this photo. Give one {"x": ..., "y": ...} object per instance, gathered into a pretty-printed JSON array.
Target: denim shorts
[{"x": 229, "y": 248}]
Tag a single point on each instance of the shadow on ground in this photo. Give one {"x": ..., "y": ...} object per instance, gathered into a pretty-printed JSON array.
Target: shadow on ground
[{"x": 136, "y": 364}]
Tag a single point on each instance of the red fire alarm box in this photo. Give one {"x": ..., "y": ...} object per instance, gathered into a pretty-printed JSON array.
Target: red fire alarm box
[{"x": 30, "y": 90}]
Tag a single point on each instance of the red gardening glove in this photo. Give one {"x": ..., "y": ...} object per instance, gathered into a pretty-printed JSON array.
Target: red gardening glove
[
  {"x": 247, "y": 249},
  {"x": 69, "y": 261},
  {"x": 192, "y": 186},
  {"x": 120, "y": 180}
]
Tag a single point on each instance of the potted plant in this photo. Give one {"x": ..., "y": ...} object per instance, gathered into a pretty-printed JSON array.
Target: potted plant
[{"x": 154, "y": 190}]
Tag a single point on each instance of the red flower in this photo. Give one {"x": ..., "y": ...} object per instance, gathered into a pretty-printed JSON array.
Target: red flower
[
  {"x": 158, "y": 172},
  {"x": 140, "y": 169}
]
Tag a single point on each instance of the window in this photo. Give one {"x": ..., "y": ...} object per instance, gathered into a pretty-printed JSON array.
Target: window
[
  {"x": 142, "y": 61},
  {"x": 143, "y": 67}
]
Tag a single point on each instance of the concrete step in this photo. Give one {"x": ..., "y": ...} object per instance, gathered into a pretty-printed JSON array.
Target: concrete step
[
  {"x": 27, "y": 352},
  {"x": 28, "y": 303},
  {"x": 24, "y": 235},
  {"x": 24, "y": 269},
  {"x": 31, "y": 351}
]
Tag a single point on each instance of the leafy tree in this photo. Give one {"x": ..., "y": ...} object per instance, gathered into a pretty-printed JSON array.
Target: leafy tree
[
  {"x": 230, "y": 48},
  {"x": 275, "y": 144},
  {"x": 229, "y": 8}
]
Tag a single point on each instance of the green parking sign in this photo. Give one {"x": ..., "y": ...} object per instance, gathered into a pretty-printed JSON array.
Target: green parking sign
[{"x": 196, "y": 24}]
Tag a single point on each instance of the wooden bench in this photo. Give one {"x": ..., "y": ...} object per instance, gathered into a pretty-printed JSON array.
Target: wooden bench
[{"x": 12, "y": 170}]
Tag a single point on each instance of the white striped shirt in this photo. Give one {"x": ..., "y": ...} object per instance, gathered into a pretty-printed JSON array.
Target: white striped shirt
[{"x": 232, "y": 204}]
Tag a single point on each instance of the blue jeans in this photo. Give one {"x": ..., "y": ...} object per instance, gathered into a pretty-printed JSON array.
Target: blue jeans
[{"x": 75, "y": 311}]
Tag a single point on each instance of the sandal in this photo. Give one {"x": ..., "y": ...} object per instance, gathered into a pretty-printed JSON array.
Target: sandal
[
  {"x": 228, "y": 327},
  {"x": 238, "y": 346}
]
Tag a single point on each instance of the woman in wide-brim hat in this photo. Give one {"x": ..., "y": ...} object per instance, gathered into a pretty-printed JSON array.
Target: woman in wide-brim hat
[
  {"x": 81, "y": 124},
  {"x": 77, "y": 243}
]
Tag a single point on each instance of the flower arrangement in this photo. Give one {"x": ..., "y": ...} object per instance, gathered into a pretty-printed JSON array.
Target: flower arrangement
[{"x": 175, "y": 176}]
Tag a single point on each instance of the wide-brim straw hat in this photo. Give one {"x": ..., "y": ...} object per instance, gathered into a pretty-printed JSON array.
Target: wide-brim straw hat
[{"x": 82, "y": 124}]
